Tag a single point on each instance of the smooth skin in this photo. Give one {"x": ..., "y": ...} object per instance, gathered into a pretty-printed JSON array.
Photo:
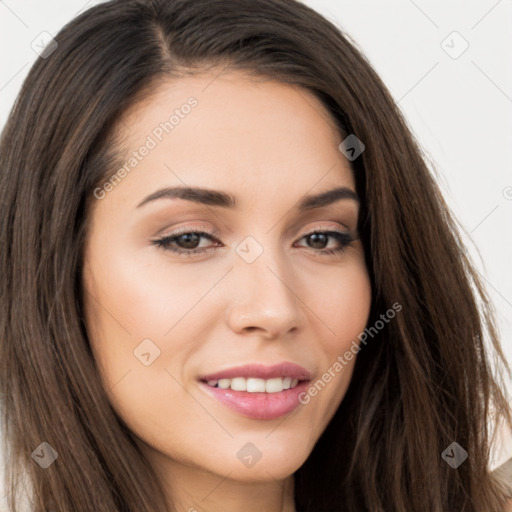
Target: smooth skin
[{"x": 268, "y": 144}]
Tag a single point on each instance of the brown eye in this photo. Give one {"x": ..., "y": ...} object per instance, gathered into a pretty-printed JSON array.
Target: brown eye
[
  {"x": 185, "y": 243},
  {"x": 320, "y": 240}
]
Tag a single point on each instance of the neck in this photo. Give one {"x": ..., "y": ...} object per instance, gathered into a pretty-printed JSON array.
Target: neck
[{"x": 193, "y": 490}]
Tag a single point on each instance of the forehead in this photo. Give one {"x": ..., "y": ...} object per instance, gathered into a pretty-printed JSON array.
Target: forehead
[
  {"x": 232, "y": 130},
  {"x": 215, "y": 87}
]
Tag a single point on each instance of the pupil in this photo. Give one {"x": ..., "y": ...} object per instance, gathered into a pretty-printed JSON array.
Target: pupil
[
  {"x": 318, "y": 238},
  {"x": 191, "y": 240}
]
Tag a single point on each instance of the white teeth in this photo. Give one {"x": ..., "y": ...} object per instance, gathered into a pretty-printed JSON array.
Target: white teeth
[
  {"x": 238, "y": 384},
  {"x": 274, "y": 385},
  {"x": 224, "y": 383},
  {"x": 254, "y": 385}
]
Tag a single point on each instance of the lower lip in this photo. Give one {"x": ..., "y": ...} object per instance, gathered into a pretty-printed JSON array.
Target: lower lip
[{"x": 259, "y": 406}]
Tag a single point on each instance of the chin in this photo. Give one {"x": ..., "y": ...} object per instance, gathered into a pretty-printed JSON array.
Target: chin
[{"x": 274, "y": 464}]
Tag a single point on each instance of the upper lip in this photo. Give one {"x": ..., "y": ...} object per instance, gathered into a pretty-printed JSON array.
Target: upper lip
[{"x": 262, "y": 371}]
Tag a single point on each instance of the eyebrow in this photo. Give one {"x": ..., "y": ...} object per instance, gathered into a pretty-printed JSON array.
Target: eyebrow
[{"x": 225, "y": 200}]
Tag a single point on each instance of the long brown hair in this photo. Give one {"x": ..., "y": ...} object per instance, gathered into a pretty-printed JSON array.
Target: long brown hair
[{"x": 423, "y": 382}]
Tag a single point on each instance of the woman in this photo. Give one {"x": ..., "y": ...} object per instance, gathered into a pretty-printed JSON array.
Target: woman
[{"x": 231, "y": 282}]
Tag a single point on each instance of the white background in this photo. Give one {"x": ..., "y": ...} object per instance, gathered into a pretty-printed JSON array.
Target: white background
[{"x": 459, "y": 108}]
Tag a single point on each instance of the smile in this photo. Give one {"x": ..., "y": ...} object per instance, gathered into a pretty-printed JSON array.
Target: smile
[
  {"x": 254, "y": 385},
  {"x": 257, "y": 391}
]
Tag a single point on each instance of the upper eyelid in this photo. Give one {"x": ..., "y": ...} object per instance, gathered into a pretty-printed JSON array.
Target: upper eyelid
[{"x": 215, "y": 236}]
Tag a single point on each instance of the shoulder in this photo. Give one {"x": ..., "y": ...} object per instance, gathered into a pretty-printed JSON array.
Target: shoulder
[{"x": 503, "y": 476}]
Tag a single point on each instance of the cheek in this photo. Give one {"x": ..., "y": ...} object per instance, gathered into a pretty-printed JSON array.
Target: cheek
[
  {"x": 344, "y": 309},
  {"x": 126, "y": 320},
  {"x": 349, "y": 307},
  {"x": 140, "y": 296},
  {"x": 133, "y": 308},
  {"x": 342, "y": 301},
  {"x": 349, "y": 318}
]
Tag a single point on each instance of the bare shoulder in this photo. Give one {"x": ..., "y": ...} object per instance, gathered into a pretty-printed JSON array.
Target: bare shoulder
[{"x": 503, "y": 476}]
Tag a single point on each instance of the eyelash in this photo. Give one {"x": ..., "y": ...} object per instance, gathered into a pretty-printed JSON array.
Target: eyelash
[{"x": 344, "y": 238}]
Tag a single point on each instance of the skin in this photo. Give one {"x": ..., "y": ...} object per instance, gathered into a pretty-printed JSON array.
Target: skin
[{"x": 268, "y": 144}]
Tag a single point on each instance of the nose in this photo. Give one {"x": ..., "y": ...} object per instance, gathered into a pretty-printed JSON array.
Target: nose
[{"x": 265, "y": 298}]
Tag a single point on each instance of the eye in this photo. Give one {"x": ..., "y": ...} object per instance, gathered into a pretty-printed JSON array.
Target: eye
[
  {"x": 188, "y": 243},
  {"x": 321, "y": 238},
  {"x": 185, "y": 243}
]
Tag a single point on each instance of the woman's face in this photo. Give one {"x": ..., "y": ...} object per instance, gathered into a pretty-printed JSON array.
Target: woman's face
[{"x": 262, "y": 299}]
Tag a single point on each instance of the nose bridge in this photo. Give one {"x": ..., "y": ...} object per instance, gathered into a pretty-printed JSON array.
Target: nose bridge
[
  {"x": 263, "y": 266},
  {"x": 264, "y": 296}
]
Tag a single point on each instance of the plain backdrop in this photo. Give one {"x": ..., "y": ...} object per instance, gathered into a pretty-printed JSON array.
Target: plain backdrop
[{"x": 447, "y": 64}]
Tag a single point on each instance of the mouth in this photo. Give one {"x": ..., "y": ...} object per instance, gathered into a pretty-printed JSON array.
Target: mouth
[{"x": 258, "y": 391}]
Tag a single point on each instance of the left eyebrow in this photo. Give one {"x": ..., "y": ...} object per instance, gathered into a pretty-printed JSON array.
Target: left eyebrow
[
  {"x": 327, "y": 198},
  {"x": 226, "y": 200}
]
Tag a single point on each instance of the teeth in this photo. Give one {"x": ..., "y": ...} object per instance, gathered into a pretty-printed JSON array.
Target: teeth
[
  {"x": 253, "y": 385},
  {"x": 224, "y": 383},
  {"x": 273, "y": 385},
  {"x": 238, "y": 384}
]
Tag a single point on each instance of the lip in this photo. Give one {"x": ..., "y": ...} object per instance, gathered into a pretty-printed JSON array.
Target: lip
[
  {"x": 261, "y": 371},
  {"x": 259, "y": 406}
]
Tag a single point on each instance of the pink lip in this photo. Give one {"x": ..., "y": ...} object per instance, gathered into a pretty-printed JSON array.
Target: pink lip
[
  {"x": 261, "y": 406},
  {"x": 261, "y": 371}
]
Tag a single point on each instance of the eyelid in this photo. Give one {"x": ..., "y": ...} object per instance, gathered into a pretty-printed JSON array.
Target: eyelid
[
  {"x": 314, "y": 229},
  {"x": 213, "y": 232}
]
